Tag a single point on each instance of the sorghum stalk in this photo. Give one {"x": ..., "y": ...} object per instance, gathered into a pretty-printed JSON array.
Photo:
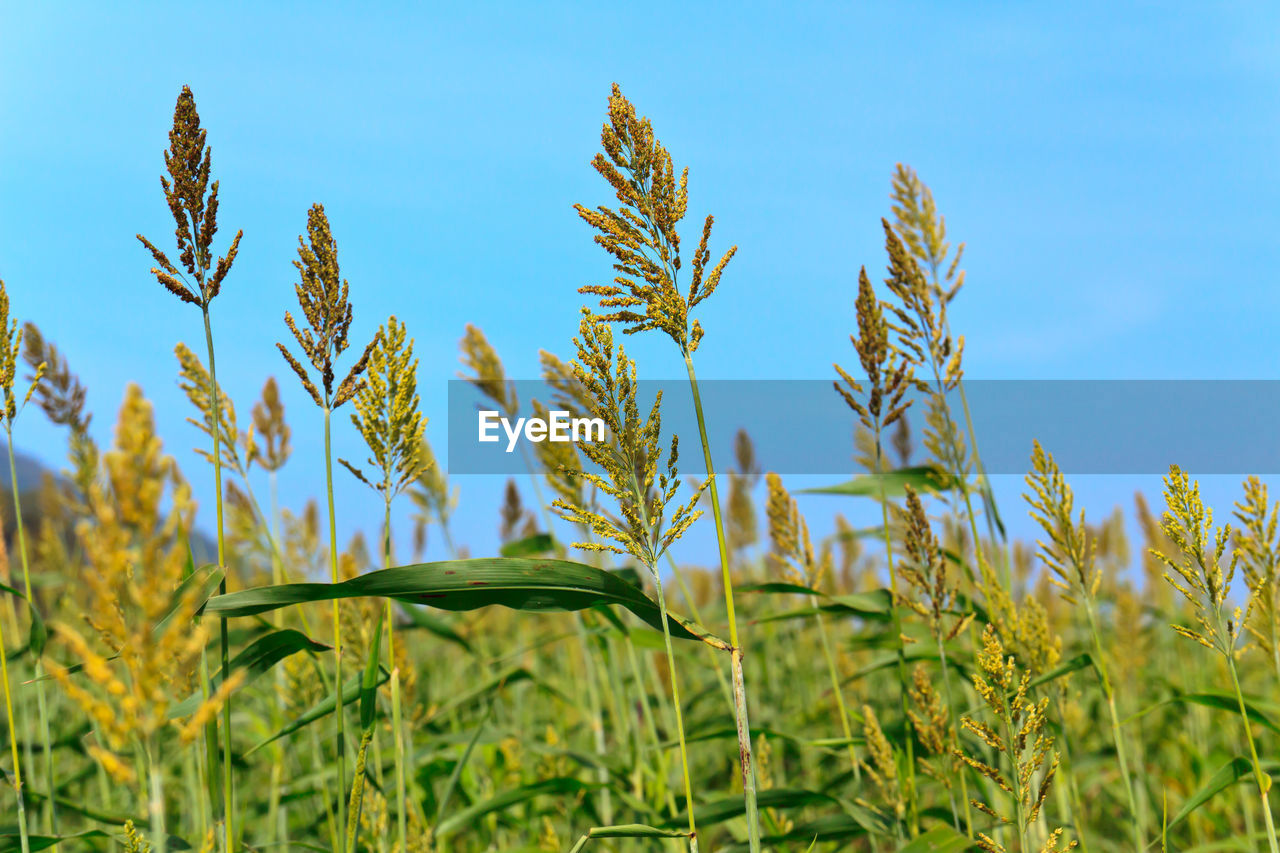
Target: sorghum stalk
[
  {"x": 11, "y": 724},
  {"x": 335, "y": 577},
  {"x": 739, "y": 682}
]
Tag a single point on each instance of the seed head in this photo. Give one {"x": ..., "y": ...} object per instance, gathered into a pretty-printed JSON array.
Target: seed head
[
  {"x": 641, "y": 234},
  {"x": 322, "y": 296},
  {"x": 194, "y": 206}
]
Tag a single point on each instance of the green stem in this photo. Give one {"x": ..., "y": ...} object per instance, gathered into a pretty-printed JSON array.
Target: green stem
[
  {"x": 13, "y": 746},
  {"x": 337, "y": 631},
  {"x": 739, "y": 681},
  {"x": 835, "y": 688},
  {"x": 1263, "y": 780},
  {"x": 1121, "y": 755},
  {"x": 155, "y": 805},
  {"x": 50, "y": 815},
  {"x": 228, "y": 791},
  {"x": 900, "y": 645}
]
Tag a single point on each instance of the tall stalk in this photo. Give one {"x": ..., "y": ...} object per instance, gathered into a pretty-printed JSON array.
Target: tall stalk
[
  {"x": 735, "y": 652},
  {"x": 11, "y": 725},
  {"x": 41, "y": 708},
  {"x": 335, "y": 577},
  {"x": 228, "y": 789}
]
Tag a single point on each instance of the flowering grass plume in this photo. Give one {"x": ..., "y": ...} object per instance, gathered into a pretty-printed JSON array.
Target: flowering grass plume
[{"x": 641, "y": 234}]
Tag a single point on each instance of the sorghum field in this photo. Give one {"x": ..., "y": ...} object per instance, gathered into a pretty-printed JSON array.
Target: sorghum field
[{"x": 924, "y": 684}]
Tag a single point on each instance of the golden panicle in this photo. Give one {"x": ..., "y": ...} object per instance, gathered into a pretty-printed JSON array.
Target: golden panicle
[
  {"x": 194, "y": 206},
  {"x": 135, "y": 561},
  {"x": 741, "y": 529},
  {"x": 882, "y": 766},
  {"x": 10, "y": 348},
  {"x": 924, "y": 568},
  {"x": 388, "y": 413},
  {"x": 1068, "y": 553},
  {"x": 560, "y": 463},
  {"x": 568, "y": 393},
  {"x": 888, "y": 371},
  {"x": 792, "y": 548},
  {"x": 487, "y": 372},
  {"x": 268, "y": 442},
  {"x": 630, "y": 457},
  {"x": 929, "y": 716},
  {"x": 1260, "y": 561},
  {"x": 1196, "y": 569},
  {"x": 432, "y": 498},
  {"x": 921, "y": 327},
  {"x": 326, "y": 308},
  {"x": 1021, "y": 738},
  {"x": 194, "y": 381},
  {"x": 641, "y": 234},
  {"x": 924, "y": 231},
  {"x": 60, "y": 394},
  {"x": 512, "y": 512}
]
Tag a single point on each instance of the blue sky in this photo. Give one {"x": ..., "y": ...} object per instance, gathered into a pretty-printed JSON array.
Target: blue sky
[{"x": 1113, "y": 171}]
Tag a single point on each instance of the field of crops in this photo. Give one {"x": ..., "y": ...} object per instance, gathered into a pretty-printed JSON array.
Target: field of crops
[{"x": 927, "y": 683}]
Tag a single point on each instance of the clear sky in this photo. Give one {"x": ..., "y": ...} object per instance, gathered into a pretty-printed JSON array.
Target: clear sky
[{"x": 1112, "y": 167}]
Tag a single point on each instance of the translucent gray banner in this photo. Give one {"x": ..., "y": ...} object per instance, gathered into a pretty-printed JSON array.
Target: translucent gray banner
[{"x": 804, "y": 427}]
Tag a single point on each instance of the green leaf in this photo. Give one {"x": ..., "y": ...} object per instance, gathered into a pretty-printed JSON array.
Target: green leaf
[
  {"x": 11, "y": 841},
  {"x": 538, "y": 543},
  {"x": 1079, "y": 662},
  {"x": 521, "y": 584},
  {"x": 558, "y": 786},
  {"x": 892, "y": 484},
  {"x": 630, "y": 830},
  {"x": 38, "y": 634},
  {"x": 1235, "y": 770},
  {"x": 351, "y": 690},
  {"x": 1212, "y": 699},
  {"x": 940, "y": 839},
  {"x": 203, "y": 580},
  {"x": 258, "y": 658}
]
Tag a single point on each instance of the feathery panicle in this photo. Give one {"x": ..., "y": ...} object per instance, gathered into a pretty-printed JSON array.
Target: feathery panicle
[
  {"x": 269, "y": 428},
  {"x": 925, "y": 569},
  {"x": 1196, "y": 570},
  {"x": 487, "y": 373},
  {"x": 60, "y": 394},
  {"x": 569, "y": 394},
  {"x": 741, "y": 522},
  {"x": 630, "y": 457},
  {"x": 432, "y": 498},
  {"x": 882, "y": 765},
  {"x": 888, "y": 371},
  {"x": 1260, "y": 562},
  {"x": 10, "y": 348},
  {"x": 194, "y": 206},
  {"x": 924, "y": 231},
  {"x": 388, "y": 413},
  {"x": 1068, "y": 553},
  {"x": 512, "y": 513},
  {"x": 921, "y": 317},
  {"x": 1023, "y": 740},
  {"x": 930, "y": 718},
  {"x": 136, "y": 558},
  {"x": 792, "y": 549},
  {"x": 560, "y": 462},
  {"x": 641, "y": 234},
  {"x": 195, "y": 383},
  {"x": 323, "y": 299}
]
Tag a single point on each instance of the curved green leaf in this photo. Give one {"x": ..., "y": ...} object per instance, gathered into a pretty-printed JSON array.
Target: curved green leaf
[
  {"x": 520, "y": 584},
  {"x": 892, "y": 484}
]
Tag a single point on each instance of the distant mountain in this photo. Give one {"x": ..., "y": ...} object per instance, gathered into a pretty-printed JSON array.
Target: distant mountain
[{"x": 31, "y": 474}]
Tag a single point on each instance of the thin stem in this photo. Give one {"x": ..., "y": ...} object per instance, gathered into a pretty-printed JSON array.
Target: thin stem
[
  {"x": 739, "y": 682},
  {"x": 155, "y": 805},
  {"x": 835, "y": 688},
  {"x": 1263, "y": 780},
  {"x": 337, "y": 631},
  {"x": 1107, "y": 691},
  {"x": 228, "y": 789},
  {"x": 50, "y": 816},
  {"x": 13, "y": 746}
]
